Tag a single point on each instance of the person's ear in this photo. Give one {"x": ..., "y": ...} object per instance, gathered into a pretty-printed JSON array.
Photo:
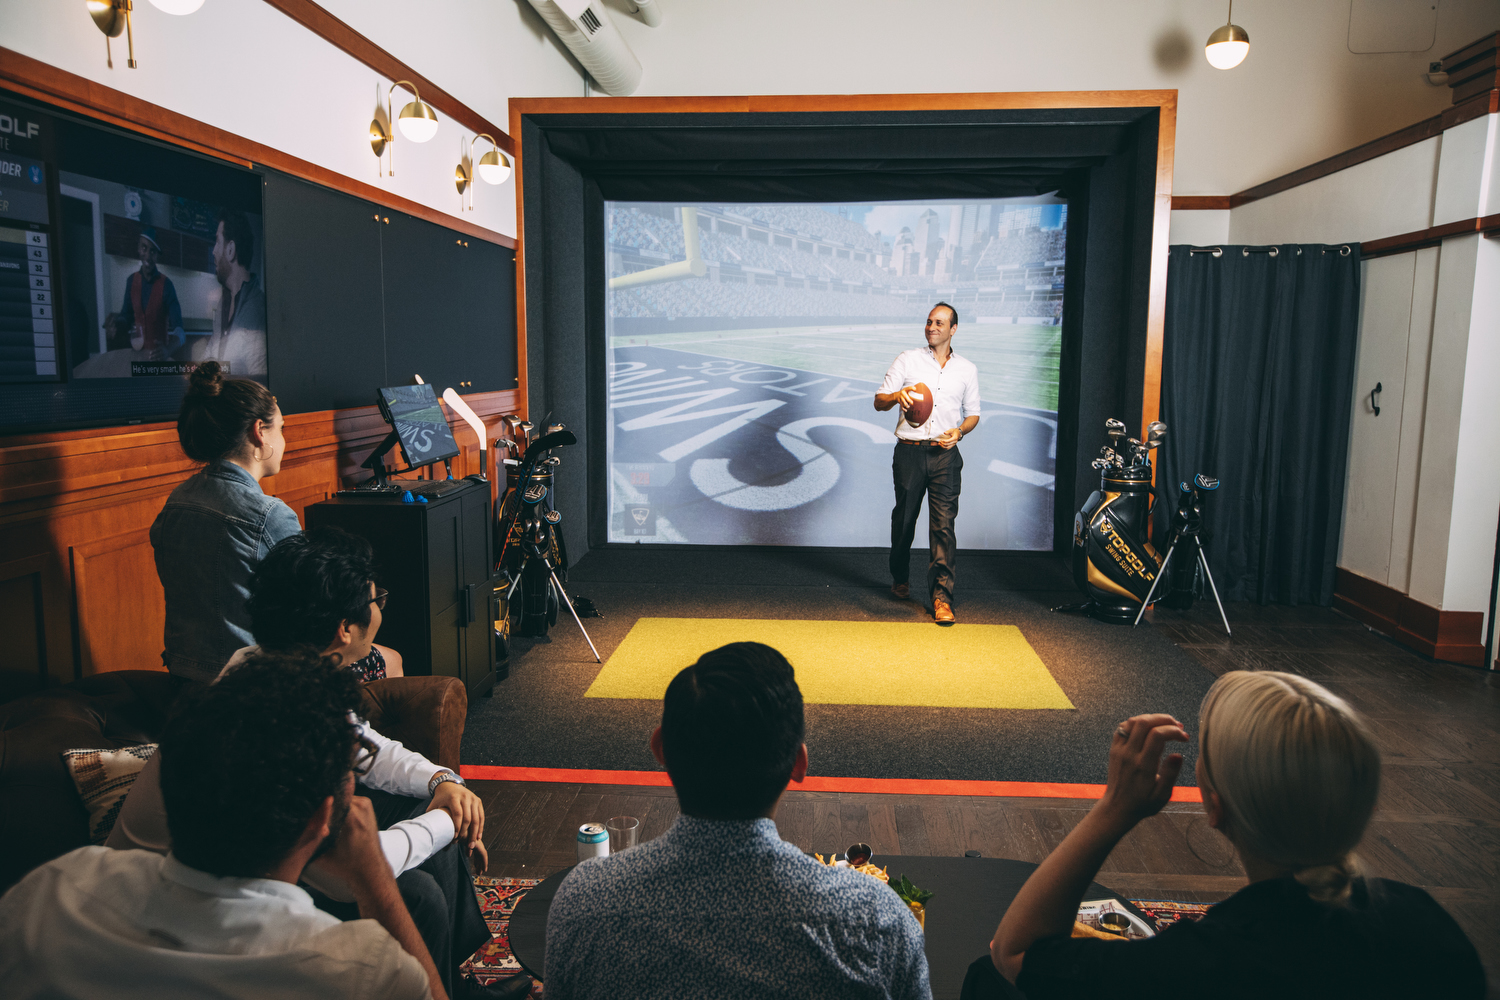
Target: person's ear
[
  {"x": 318, "y": 824},
  {"x": 799, "y": 766},
  {"x": 258, "y": 431},
  {"x": 656, "y": 747},
  {"x": 1214, "y": 807},
  {"x": 344, "y": 634}
]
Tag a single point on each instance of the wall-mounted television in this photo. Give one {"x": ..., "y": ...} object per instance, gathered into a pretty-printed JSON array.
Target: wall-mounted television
[{"x": 123, "y": 264}]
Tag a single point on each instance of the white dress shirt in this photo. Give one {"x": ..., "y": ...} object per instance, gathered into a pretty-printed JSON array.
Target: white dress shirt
[
  {"x": 142, "y": 822},
  {"x": 955, "y": 391},
  {"x": 132, "y": 924}
]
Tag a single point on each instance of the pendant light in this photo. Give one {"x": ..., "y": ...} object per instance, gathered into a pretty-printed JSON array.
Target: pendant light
[{"x": 1227, "y": 46}]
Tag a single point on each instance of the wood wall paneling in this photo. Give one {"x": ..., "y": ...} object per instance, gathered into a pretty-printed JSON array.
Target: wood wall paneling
[
  {"x": 76, "y": 508},
  {"x": 118, "y": 608},
  {"x": 28, "y": 585},
  {"x": 35, "y": 79},
  {"x": 1453, "y": 636}
]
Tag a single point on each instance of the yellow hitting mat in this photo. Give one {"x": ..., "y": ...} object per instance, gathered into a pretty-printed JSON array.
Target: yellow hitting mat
[{"x": 848, "y": 663}]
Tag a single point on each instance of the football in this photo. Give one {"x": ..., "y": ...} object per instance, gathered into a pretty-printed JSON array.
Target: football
[{"x": 921, "y": 404}]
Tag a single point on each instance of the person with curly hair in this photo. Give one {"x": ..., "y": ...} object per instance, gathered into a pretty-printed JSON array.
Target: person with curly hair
[
  {"x": 1290, "y": 774},
  {"x": 316, "y": 590},
  {"x": 258, "y": 781}
]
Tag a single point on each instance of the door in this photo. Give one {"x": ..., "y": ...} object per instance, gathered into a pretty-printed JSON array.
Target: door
[{"x": 1386, "y": 289}]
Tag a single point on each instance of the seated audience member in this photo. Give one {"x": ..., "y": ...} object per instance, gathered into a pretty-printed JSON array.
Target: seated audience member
[
  {"x": 258, "y": 781},
  {"x": 1290, "y": 774},
  {"x": 316, "y": 590},
  {"x": 720, "y": 905},
  {"x": 218, "y": 524}
]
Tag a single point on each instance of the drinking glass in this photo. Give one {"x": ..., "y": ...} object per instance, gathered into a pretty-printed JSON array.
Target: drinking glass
[{"x": 623, "y": 831}]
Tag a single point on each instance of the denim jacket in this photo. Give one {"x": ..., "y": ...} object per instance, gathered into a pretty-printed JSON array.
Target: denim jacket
[{"x": 214, "y": 530}]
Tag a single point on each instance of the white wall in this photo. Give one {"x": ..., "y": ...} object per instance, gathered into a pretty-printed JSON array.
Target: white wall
[
  {"x": 245, "y": 67},
  {"x": 1299, "y": 97},
  {"x": 1200, "y": 227}
]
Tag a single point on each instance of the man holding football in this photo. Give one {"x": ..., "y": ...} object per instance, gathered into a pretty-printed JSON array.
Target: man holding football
[{"x": 938, "y": 393}]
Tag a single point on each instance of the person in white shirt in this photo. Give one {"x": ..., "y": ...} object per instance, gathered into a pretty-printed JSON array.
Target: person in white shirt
[
  {"x": 316, "y": 590},
  {"x": 258, "y": 781},
  {"x": 927, "y": 460}
]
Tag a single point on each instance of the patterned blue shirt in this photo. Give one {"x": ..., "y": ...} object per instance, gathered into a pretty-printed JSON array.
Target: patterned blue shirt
[{"x": 724, "y": 908}]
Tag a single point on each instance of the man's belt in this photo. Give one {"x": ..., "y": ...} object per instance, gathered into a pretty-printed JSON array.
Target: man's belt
[{"x": 929, "y": 443}]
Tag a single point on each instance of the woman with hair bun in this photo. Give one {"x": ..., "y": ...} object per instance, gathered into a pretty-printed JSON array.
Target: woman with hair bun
[
  {"x": 218, "y": 525},
  {"x": 1289, "y": 774}
]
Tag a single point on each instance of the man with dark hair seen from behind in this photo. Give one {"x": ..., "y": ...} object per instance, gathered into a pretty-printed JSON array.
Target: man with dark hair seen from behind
[
  {"x": 239, "y": 337},
  {"x": 927, "y": 459},
  {"x": 258, "y": 781},
  {"x": 720, "y": 905},
  {"x": 316, "y": 590}
]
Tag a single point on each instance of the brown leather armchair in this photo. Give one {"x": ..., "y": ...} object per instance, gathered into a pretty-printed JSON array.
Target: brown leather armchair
[{"x": 41, "y": 815}]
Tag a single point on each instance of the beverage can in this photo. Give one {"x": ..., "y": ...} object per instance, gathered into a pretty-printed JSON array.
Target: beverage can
[{"x": 593, "y": 841}]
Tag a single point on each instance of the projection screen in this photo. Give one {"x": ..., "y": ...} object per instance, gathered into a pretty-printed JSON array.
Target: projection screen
[{"x": 746, "y": 344}]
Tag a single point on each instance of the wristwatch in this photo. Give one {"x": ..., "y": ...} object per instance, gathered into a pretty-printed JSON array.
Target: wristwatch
[{"x": 439, "y": 778}]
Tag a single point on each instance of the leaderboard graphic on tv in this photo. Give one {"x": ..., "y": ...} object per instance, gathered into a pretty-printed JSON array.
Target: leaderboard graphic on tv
[{"x": 746, "y": 343}]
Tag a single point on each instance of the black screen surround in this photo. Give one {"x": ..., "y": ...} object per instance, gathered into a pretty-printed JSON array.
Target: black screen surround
[{"x": 1102, "y": 160}]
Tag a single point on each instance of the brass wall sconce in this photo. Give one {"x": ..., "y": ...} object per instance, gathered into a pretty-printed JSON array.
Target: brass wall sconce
[
  {"x": 418, "y": 122},
  {"x": 113, "y": 17},
  {"x": 493, "y": 168}
]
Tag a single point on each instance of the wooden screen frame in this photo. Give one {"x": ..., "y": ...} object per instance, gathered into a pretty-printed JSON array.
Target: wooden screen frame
[{"x": 1165, "y": 101}]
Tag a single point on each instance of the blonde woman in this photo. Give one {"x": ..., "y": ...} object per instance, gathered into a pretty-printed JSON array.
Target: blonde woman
[{"x": 1290, "y": 774}]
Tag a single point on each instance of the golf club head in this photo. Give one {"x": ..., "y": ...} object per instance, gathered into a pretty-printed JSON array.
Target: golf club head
[
  {"x": 1114, "y": 428},
  {"x": 1204, "y": 482},
  {"x": 556, "y": 439},
  {"x": 1156, "y": 433}
]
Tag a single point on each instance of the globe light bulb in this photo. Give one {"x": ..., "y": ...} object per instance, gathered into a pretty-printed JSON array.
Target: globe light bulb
[
  {"x": 494, "y": 167},
  {"x": 177, "y": 6},
  {"x": 418, "y": 122},
  {"x": 1227, "y": 47}
]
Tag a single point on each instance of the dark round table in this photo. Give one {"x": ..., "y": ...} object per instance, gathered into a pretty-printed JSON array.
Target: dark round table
[{"x": 970, "y": 895}]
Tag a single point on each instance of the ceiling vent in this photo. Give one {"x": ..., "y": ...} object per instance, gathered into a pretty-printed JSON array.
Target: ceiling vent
[{"x": 585, "y": 28}]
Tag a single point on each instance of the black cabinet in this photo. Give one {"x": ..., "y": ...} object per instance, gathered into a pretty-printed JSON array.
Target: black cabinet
[
  {"x": 326, "y": 322},
  {"x": 360, "y": 296},
  {"x": 449, "y": 307},
  {"x": 435, "y": 559}
]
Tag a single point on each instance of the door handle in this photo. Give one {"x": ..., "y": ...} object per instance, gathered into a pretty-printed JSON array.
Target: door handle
[
  {"x": 469, "y": 611},
  {"x": 1373, "y": 403}
]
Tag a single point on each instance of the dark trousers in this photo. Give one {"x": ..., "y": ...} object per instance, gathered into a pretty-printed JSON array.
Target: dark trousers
[
  {"x": 937, "y": 472},
  {"x": 439, "y": 894}
]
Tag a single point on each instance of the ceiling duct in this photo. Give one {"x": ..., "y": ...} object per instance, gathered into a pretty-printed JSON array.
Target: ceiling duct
[{"x": 585, "y": 28}]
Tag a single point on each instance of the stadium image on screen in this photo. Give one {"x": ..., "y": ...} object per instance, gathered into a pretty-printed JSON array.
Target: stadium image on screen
[{"x": 746, "y": 344}]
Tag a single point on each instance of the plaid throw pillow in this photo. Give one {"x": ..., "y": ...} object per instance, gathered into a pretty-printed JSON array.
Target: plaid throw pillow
[{"x": 103, "y": 778}]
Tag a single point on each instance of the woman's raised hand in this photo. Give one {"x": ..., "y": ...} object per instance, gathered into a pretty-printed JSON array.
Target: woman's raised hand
[{"x": 1140, "y": 779}]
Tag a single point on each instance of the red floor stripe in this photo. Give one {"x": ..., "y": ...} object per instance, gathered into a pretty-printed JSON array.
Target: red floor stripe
[{"x": 889, "y": 786}]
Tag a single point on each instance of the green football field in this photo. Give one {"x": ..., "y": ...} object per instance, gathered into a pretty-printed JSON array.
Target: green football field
[{"x": 1018, "y": 364}]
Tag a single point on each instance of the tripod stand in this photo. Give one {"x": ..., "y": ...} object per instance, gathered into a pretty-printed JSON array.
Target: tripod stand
[
  {"x": 537, "y": 569},
  {"x": 537, "y": 573},
  {"x": 1187, "y": 524}
]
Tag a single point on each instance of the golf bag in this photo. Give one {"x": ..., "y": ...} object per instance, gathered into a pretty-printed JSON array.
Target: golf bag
[{"x": 1113, "y": 563}]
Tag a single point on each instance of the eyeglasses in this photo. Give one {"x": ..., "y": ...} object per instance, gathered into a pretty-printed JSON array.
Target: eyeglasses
[
  {"x": 379, "y": 599},
  {"x": 364, "y": 758}
]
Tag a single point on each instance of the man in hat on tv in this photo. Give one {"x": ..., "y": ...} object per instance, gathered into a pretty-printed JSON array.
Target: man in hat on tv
[{"x": 150, "y": 316}]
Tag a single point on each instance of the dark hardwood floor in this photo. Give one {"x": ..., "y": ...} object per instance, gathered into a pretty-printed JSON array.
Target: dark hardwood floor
[{"x": 1437, "y": 825}]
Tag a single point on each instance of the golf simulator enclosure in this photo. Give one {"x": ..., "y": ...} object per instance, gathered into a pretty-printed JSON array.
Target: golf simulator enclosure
[{"x": 719, "y": 294}]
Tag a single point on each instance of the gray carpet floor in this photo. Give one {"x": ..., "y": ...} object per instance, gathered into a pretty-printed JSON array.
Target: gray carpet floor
[{"x": 539, "y": 717}]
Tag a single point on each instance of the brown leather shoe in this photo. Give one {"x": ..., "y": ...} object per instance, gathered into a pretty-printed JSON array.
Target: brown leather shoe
[
  {"x": 900, "y": 591},
  {"x": 941, "y": 612}
]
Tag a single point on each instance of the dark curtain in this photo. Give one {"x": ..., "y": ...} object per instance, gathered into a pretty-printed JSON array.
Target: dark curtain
[{"x": 1257, "y": 385}]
